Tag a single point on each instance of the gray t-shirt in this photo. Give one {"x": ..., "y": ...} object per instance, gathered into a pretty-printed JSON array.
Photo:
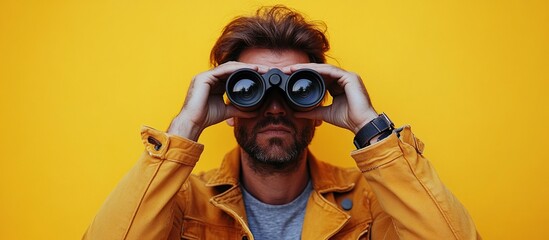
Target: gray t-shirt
[{"x": 276, "y": 221}]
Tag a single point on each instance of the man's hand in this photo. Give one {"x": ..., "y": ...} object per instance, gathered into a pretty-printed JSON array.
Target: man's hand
[
  {"x": 351, "y": 107},
  {"x": 204, "y": 105}
]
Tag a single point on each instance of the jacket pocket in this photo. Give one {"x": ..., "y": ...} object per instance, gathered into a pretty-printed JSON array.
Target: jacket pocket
[
  {"x": 193, "y": 229},
  {"x": 360, "y": 232}
]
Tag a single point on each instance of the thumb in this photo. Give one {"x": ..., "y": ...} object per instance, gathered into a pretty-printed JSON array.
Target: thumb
[
  {"x": 232, "y": 111},
  {"x": 318, "y": 113}
]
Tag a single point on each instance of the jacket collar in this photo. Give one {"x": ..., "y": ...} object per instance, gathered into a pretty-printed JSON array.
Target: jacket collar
[{"x": 325, "y": 177}]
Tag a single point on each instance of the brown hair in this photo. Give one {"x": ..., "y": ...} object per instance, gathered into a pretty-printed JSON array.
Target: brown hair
[{"x": 277, "y": 28}]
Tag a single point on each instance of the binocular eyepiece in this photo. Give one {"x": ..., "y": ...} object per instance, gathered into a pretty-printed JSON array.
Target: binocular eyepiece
[{"x": 304, "y": 89}]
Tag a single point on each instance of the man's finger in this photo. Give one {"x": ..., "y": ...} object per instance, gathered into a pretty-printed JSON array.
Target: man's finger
[
  {"x": 315, "y": 114},
  {"x": 232, "y": 111}
]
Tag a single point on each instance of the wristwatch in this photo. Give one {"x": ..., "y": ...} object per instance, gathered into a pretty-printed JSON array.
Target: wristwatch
[{"x": 380, "y": 125}]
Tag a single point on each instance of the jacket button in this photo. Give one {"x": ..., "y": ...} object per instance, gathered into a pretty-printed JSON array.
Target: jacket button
[{"x": 347, "y": 204}]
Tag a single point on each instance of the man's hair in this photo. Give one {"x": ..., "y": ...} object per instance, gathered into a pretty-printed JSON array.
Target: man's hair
[{"x": 278, "y": 28}]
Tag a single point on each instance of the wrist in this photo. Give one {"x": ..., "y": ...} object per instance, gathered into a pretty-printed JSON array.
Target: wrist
[
  {"x": 380, "y": 136},
  {"x": 370, "y": 115},
  {"x": 184, "y": 128},
  {"x": 375, "y": 130}
]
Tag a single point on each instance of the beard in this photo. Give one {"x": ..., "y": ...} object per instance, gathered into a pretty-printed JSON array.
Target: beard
[{"x": 276, "y": 155}]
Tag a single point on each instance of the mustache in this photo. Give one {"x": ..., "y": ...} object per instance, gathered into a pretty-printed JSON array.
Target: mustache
[{"x": 270, "y": 120}]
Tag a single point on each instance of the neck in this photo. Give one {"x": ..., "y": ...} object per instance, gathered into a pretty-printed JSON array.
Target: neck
[{"x": 274, "y": 186}]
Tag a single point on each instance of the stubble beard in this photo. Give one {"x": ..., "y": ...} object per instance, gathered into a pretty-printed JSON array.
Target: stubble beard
[{"x": 276, "y": 156}]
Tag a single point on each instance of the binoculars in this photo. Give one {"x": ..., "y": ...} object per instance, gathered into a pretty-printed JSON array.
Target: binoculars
[{"x": 304, "y": 89}]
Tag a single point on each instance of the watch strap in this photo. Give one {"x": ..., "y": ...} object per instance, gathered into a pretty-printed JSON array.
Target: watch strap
[{"x": 373, "y": 128}]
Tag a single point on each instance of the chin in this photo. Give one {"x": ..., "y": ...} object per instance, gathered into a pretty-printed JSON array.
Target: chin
[{"x": 278, "y": 153}]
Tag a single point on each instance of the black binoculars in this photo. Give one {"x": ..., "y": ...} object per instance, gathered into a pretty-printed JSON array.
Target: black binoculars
[{"x": 304, "y": 89}]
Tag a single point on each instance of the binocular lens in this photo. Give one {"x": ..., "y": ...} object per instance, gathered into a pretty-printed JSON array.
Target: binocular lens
[
  {"x": 305, "y": 90},
  {"x": 302, "y": 88},
  {"x": 245, "y": 89}
]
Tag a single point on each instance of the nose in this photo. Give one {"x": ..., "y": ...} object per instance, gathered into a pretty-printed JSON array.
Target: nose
[{"x": 275, "y": 105}]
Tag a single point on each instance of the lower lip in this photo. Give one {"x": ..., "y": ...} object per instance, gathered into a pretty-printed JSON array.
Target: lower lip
[{"x": 274, "y": 132}]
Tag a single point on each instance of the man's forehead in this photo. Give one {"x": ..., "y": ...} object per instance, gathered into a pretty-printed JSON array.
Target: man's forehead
[{"x": 272, "y": 57}]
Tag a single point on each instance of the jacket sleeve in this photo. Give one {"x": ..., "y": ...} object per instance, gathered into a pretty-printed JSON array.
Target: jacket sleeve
[
  {"x": 411, "y": 202},
  {"x": 142, "y": 206}
]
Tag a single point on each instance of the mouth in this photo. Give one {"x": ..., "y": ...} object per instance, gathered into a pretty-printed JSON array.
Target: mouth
[{"x": 275, "y": 129}]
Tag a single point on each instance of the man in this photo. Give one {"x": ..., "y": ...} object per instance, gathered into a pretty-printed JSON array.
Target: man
[{"x": 271, "y": 186}]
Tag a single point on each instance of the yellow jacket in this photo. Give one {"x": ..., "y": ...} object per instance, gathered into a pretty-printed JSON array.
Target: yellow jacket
[{"x": 395, "y": 195}]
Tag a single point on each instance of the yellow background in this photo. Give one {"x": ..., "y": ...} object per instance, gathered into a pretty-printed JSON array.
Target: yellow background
[{"x": 79, "y": 78}]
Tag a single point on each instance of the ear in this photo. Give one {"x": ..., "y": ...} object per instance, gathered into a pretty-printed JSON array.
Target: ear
[
  {"x": 318, "y": 123},
  {"x": 230, "y": 122}
]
